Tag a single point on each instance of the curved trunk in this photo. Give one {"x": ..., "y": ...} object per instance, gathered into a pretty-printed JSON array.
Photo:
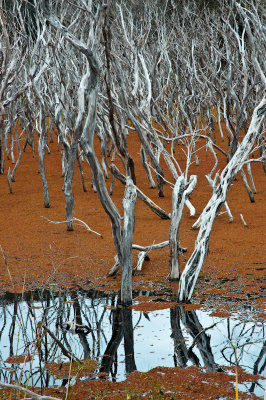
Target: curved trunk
[{"x": 191, "y": 272}]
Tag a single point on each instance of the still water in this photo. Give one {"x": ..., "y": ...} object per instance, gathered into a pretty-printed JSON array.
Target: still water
[{"x": 93, "y": 324}]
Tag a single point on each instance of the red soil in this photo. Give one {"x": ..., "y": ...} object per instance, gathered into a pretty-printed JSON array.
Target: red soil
[{"x": 37, "y": 253}]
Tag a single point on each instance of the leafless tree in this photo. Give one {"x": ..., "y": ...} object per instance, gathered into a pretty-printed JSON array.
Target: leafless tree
[{"x": 88, "y": 68}]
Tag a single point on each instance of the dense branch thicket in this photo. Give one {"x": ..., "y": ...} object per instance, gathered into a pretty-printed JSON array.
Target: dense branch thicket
[{"x": 169, "y": 70}]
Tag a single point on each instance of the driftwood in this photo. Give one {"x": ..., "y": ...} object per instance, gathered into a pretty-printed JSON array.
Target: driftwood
[{"x": 190, "y": 274}]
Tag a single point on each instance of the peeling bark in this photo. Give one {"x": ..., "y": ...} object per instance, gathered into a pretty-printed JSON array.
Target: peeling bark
[
  {"x": 191, "y": 272},
  {"x": 180, "y": 193},
  {"x": 129, "y": 203}
]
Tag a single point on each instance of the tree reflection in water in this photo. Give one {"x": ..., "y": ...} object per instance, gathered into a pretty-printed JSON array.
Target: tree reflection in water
[
  {"x": 99, "y": 328},
  {"x": 122, "y": 328},
  {"x": 183, "y": 353}
]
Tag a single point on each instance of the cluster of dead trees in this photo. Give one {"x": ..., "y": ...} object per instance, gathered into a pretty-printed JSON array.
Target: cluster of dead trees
[{"x": 168, "y": 71}]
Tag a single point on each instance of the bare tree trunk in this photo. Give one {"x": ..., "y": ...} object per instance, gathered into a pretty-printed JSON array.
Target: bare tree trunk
[
  {"x": 40, "y": 126},
  {"x": 19, "y": 155},
  {"x": 1, "y": 154},
  {"x": 81, "y": 173},
  {"x": 245, "y": 181},
  {"x": 190, "y": 274},
  {"x": 143, "y": 158},
  {"x": 9, "y": 181},
  {"x": 68, "y": 180},
  {"x": 129, "y": 203},
  {"x": 154, "y": 207},
  {"x": 180, "y": 193},
  {"x": 251, "y": 178},
  {"x": 41, "y": 152},
  {"x": 2, "y": 158}
]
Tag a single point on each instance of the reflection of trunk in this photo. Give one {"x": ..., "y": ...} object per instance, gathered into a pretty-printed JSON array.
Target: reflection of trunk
[
  {"x": 78, "y": 321},
  {"x": 256, "y": 369},
  {"x": 201, "y": 339},
  {"x": 122, "y": 327},
  {"x": 111, "y": 349},
  {"x": 182, "y": 355},
  {"x": 128, "y": 339},
  {"x": 12, "y": 326}
]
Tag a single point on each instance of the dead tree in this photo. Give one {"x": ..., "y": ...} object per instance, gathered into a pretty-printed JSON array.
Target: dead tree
[
  {"x": 181, "y": 191},
  {"x": 222, "y": 183},
  {"x": 38, "y": 88},
  {"x": 13, "y": 53},
  {"x": 122, "y": 235}
]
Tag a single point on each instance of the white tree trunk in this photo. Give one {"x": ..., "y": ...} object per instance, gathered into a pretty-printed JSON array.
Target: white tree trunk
[
  {"x": 191, "y": 272},
  {"x": 180, "y": 193},
  {"x": 41, "y": 151},
  {"x": 68, "y": 181},
  {"x": 129, "y": 203},
  {"x": 153, "y": 206},
  {"x": 143, "y": 158}
]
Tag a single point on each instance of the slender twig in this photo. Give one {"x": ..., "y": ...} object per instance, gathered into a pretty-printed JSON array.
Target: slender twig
[
  {"x": 82, "y": 223},
  {"x": 244, "y": 222}
]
